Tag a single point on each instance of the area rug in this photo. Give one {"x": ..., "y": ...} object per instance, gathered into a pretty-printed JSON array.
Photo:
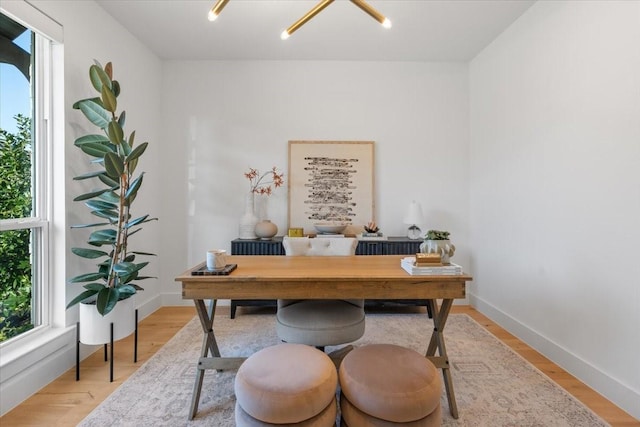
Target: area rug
[{"x": 494, "y": 386}]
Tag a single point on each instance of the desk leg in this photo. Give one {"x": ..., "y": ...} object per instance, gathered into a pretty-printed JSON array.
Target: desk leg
[
  {"x": 209, "y": 344},
  {"x": 437, "y": 342}
]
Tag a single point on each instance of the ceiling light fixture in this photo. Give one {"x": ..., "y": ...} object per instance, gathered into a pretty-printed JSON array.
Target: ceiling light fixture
[
  {"x": 372, "y": 12},
  {"x": 300, "y": 22},
  {"x": 216, "y": 9},
  {"x": 362, "y": 4}
]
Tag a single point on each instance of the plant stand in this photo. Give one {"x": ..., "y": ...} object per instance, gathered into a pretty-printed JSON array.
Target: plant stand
[{"x": 110, "y": 344}]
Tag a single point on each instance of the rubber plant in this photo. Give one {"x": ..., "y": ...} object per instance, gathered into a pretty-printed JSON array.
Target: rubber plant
[{"x": 114, "y": 158}]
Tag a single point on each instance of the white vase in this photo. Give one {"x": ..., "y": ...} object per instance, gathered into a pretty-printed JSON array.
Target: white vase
[
  {"x": 443, "y": 247},
  {"x": 96, "y": 329},
  {"x": 249, "y": 220},
  {"x": 265, "y": 230}
]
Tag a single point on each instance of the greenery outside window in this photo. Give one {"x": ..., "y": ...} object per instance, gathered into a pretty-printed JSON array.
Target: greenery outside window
[{"x": 24, "y": 179}]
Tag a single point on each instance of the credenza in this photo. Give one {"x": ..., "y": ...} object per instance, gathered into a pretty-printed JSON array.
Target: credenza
[{"x": 390, "y": 246}]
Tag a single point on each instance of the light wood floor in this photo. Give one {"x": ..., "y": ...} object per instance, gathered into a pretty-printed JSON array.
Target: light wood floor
[{"x": 66, "y": 402}]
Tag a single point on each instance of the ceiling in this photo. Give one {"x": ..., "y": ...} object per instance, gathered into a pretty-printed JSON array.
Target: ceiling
[{"x": 423, "y": 30}]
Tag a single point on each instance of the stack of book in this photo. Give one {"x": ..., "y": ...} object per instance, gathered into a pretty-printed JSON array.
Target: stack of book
[
  {"x": 428, "y": 260},
  {"x": 410, "y": 266}
]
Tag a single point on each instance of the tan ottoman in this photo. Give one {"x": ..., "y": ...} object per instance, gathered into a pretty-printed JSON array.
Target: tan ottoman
[
  {"x": 389, "y": 385},
  {"x": 286, "y": 384},
  {"x": 325, "y": 418}
]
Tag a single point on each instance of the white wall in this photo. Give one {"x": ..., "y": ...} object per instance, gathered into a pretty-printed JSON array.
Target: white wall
[
  {"x": 90, "y": 33},
  {"x": 139, "y": 73},
  {"x": 220, "y": 118},
  {"x": 555, "y": 188}
]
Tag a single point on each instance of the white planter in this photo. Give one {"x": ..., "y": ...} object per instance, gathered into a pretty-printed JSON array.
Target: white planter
[
  {"x": 96, "y": 329},
  {"x": 445, "y": 248}
]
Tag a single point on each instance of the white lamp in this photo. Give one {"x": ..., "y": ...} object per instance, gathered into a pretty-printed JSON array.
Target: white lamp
[{"x": 413, "y": 218}]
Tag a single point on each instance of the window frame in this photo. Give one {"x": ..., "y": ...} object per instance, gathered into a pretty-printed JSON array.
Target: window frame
[{"x": 47, "y": 94}]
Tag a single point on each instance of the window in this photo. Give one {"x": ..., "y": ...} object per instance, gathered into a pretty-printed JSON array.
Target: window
[{"x": 25, "y": 179}]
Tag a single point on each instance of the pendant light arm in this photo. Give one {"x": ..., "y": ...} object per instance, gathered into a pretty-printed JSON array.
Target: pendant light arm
[
  {"x": 300, "y": 22},
  {"x": 362, "y": 4},
  {"x": 216, "y": 9}
]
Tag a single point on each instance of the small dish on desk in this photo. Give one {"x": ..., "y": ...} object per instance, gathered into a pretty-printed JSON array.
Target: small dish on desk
[
  {"x": 328, "y": 228},
  {"x": 224, "y": 271}
]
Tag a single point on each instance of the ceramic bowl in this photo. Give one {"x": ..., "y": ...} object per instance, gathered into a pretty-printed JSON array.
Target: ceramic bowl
[{"x": 330, "y": 228}]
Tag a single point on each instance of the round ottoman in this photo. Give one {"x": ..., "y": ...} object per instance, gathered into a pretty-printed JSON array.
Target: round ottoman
[
  {"x": 286, "y": 384},
  {"x": 388, "y": 385}
]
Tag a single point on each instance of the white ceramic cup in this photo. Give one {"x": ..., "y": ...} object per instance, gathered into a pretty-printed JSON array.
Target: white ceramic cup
[{"x": 216, "y": 258}]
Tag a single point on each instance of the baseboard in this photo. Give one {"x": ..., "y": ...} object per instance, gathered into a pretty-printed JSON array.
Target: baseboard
[
  {"x": 148, "y": 307},
  {"x": 618, "y": 393},
  {"x": 47, "y": 361}
]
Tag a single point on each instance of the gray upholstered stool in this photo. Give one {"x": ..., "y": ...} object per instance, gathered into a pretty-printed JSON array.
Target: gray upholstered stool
[
  {"x": 388, "y": 385},
  {"x": 286, "y": 384}
]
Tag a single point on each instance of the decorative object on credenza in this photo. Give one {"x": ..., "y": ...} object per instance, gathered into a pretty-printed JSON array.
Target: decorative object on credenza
[
  {"x": 437, "y": 235},
  {"x": 436, "y": 241},
  {"x": 258, "y": 184},
  {"x": 329, "y": 228},
  {"x": 371, "y": 232},
  {"x": 249, "y": 220},
  {"x": 412, "y": 219},
  {"x": 295, "y": 232},
  {"x": 265, "y": 230}
]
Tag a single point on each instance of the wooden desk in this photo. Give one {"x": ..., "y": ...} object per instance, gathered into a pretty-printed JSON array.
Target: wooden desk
[
  {"x": 390, "y": 246},
  {"x": 275, "y": 277}
]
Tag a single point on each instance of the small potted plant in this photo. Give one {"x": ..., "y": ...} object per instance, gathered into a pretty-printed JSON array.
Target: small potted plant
[
  {"x": 437, "y": 241},
  {"x": 371, "y": 230},
  {"x": 114, "y": 279}
]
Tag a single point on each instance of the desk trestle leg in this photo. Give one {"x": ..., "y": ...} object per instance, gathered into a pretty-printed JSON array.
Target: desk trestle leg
[
  {"x": 437, "y": 342},
  {"x": 209, "y": 344}
]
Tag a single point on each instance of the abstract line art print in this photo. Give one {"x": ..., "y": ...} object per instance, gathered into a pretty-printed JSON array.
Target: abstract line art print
[{"x": 330, "y": 182}]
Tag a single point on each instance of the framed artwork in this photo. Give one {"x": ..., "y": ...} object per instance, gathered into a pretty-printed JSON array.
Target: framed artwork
[{"x": 331, "y": 182}]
